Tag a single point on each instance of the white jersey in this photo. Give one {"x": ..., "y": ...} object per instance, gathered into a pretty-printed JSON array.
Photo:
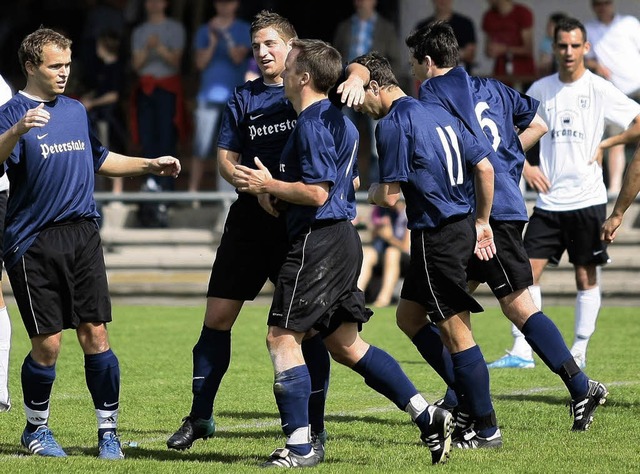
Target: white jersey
[
  {"x": 5, "y": 94},
  {"x": 617, "y": 47},
  {"x": 576, "y": 115}
]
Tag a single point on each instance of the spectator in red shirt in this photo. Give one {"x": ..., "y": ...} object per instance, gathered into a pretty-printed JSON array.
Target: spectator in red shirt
[{"x": 508, "y": 29}]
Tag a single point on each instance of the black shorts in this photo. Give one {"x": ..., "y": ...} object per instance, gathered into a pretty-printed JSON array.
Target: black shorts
[
  {"x": 318, "y": 283},
  {"x": 509, "y": 270},
  {"x": 437, "y": 276},
  {"x": 550, "y": 233},
  {"x": 252, "y": 249},
  {"x": 4, "y": 197},
  {"x": 61, "y": 280}
]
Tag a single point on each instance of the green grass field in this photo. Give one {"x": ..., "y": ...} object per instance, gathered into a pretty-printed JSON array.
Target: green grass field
[{"x": 366, "y": 432}]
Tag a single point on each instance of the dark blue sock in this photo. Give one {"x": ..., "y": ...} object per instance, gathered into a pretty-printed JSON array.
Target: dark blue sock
[
  {"x": 382, "y": 373},
  {"x": 430, "y": 346},
  {"x": 211, "y": 358},
  {"x": 318, "y": 363},
  {"x": 292, "y": 389},
  {"x": 37, "y": 382},
  {"x": 472, "y": 377},
  {"x": 545, "y": 339},
  {"x": 102, "y": 374}
]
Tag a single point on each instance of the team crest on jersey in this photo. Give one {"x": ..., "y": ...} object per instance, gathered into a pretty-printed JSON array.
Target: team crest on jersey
[{"x": 584, "y": 102}]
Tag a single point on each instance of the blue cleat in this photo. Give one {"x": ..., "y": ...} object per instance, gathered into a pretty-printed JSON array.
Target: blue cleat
[
  {"x": 511, "y": 361},
  {"x": 42, "y": 443},
  {"x": 109, "y": 447}
]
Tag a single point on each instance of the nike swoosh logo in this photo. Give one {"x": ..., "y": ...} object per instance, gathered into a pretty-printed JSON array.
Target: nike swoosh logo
[
  {"x": 197, "y": 378},
  {"x": 109, "y": 405},
  {"x": 255, "y": 117},
  {"x": 40, "y": 403},
  {"x": 597, "y": 252},
  {"x": 40, "y": 137}
]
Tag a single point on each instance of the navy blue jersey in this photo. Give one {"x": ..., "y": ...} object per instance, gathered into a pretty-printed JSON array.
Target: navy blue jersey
[
  {"x": 322, "y": 148},
  {"x": 51, "y": 171},
  {"x": 429, "y": 152},
  {"x": 257, "y": 121},
  {"x": 491, "y": 111}
]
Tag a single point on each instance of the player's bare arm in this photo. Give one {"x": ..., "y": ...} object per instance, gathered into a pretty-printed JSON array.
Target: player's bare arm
[
  {"x": 483, "y": 177},
  {"x": 535, "y": 178},
  {"x": 534, "y": 132},
  {"x": 259, "y": 181},
  {"x": 117, "y": 165},
  {"x": 34, "y": 118},
  {"x": 352, "y": 89},
  {"x": 630, "y": 135},
  {"x": 628, "y": 193},
  {"x": 227, "y": 161}
]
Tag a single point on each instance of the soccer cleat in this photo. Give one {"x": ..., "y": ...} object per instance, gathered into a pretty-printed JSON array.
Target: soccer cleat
[
  {"x": 109, "y": 447},
  {"x": 437, "y": 435},
  {"x": 42, "y": 443},
  {"x": 471, "y": 440},
  {"x": 583, "y": 408},
  {"x": 318, "y": 441},
  {"x": 191, "y": 430},
  {"x": 511, "y": 361},
  {"x": 463, "y": 424},
  {"x": 282, "y": 457}
]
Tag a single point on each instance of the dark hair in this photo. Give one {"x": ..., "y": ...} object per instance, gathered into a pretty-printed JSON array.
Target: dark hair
[
  {"x": 557, "y": 16},
  {"x": 379, "y": 69},
  {"x": 33, "y": 44},
  {"x": 269, "y": 19},
  {"x": 110, "y": 41},
  {"x": 435, "y": 39},
  {"x": 322, "y": 61},
  {"x": 569, "y": 24}
]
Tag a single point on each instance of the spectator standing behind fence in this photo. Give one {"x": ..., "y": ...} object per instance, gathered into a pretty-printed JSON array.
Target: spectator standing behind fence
[
  {"x": 157, "y": 118},
  {"x": 389, "y": 250},
  {"x": 103, "y": 100},
  {"x": 463, "y": 29},
  {"x": 615, "y": 55},
  {"x": 508, "y": 29},
  {"x": 221, "y": 55},
  {"x": 362, "y": 32}
]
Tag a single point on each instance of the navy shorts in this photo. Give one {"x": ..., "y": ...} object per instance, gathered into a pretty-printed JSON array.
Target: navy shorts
[
  {"x": 510, "y": 269},
  {"x": 252, "y": 249},
  {"x": 550, "y": 233},
  {"x": 437, "y": 276},
  {"x": 318, "y": 284},
  {"x": 61, "y": 280}
]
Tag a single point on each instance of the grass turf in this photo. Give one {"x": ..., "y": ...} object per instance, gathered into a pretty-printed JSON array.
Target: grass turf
[{"x": 367, "y": 433}]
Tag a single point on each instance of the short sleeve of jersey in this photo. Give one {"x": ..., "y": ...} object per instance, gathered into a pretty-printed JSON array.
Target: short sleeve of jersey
[
  {"x": 525, "y": 107},
  {"x": 620, "y": 109},
  {"x": 391, "y": 143},
  {"x": 316, "y": 151},
  {"x": 230, "y": 135}
]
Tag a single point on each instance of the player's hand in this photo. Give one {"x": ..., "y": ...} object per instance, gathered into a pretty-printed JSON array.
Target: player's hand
[
  {"x": 485, "y": 246},
  {"x": 267, "y": 202},
  {"x": 251, "y": 180},
  {"x": 33, "y": 118},
  {"x": 166, "y": 166},
  {"x": 351, "y": 91},
  {"x": 536, "y": 179},
  {"x": 372, "y": 193},
  {"x": 610, "y": 228},
  {"x": 598, "y": 157}
]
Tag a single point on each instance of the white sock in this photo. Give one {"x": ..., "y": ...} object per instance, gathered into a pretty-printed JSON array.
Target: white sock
[
  {"x": 5, "y": 346},
  {"x": 107, "y": 419},
  {"x": 300, "y": 436},
  {"x": 521, "y": 347},
  {"x": 536, "y": 295},
  {"x": 587, "y": 308},
  {"x": 416, "y": 406}
]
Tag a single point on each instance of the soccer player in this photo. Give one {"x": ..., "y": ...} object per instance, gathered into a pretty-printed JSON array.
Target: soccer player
[
  {"x": 422, "y": 148},
  {"x": 257, "y": 121},
  {"x": 317, "y": 286},
  {"x": 509, "y": 121},
  {"x": 5, "y": 321},
  {"x": 571, "y": 204},
  {"x": 52, "y": 248}
]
